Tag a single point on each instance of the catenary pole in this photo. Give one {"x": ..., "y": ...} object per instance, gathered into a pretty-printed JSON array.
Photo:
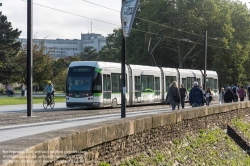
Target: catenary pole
[
  {"x": 205, "y": 53},
  {"x": 29, "y": 56},
  {"x": 123, "y": 90}
]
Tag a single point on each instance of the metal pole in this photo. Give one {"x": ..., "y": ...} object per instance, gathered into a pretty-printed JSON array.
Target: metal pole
[
  {"x": 205, "y": 52},
  {"x": 29, "y": 56},
  {"x": 123, "y": 90}
]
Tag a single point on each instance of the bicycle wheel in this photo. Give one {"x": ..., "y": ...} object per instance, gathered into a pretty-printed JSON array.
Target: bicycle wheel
[
  {"x": 52, "y": 104},
  {"x": 45, "y": 105}
]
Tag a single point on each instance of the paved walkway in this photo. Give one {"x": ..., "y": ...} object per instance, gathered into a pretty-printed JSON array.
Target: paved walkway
[{"x": 17, "y": 131}]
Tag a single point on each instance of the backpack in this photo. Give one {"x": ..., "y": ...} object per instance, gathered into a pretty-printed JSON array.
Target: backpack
[{"x": 234, "y": 89}]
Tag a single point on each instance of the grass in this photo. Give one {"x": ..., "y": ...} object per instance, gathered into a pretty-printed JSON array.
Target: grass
[
  {"x": 242, "y": 126},
  {"x": 208, "y": 147},
  {"x": 23, "y": 100}
]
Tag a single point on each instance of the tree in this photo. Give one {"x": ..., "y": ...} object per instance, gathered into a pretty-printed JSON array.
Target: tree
[
  {"x": 42, "y": 64},
  {"x": 88, "y": 54},
  {"x": 8, "y": 50},
  {"x": 111, "y": 52}
]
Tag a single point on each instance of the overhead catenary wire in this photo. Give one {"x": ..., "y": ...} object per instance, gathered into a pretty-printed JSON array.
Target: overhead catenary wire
[
  {"x": 189, "y": 41},
  {"x": 216, "y": 38}
]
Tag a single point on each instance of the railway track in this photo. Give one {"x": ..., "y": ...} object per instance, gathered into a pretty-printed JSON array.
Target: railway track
[{"x": 18, "y": 118}]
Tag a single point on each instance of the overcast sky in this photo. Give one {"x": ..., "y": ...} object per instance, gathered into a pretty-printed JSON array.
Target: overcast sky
[
  {"x": 56, "y": 24},
  {"x": 52, "y": 24}
]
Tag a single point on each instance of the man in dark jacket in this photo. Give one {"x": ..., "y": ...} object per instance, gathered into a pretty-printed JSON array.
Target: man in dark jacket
[
  {"x": 196, "y": 97},
  {"x": 228, "y": 96}
]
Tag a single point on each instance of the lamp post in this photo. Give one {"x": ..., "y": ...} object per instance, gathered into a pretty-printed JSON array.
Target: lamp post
[
  {"x": 205, "y": 53},
  {"x": 123, "y": 90},
  {"x": 29, "y": 56}
]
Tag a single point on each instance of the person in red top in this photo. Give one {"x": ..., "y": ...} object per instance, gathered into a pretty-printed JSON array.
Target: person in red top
[{"x": 242, "y": 93}]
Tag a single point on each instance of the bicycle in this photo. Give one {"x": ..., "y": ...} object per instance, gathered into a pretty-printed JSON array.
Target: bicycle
[{"x": 47, "y": 103}]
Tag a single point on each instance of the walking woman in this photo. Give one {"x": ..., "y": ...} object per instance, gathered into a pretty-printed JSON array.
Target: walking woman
[
  {"x": 173, "y": 96},
  {"x": 221, "y": 96},
  {"x": 208, "y": 94},
  {"x": 242, "y": 93}
]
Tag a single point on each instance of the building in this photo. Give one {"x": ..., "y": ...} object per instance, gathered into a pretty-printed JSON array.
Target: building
[{"x": 65, "y": 47}]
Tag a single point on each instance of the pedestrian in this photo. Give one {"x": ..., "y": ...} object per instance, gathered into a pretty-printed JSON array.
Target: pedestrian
[
  {"x": 183, "y": 94},
  {"x": 36, "y": 88},
  {"x": 248, "y": 91},
  {"x": 221, "y": 95},
  {"x": 173, "y": 95},
  {"x": 235, "y": 92},
  {"x": 228, "y": 96},
  {"x": 9, "y": 89},
  {"x": 23, "y": 88},
  {"x": 242, "y": 93},
  {"x": 209, "y": 95},
  {"x": 196, "y": 97}
]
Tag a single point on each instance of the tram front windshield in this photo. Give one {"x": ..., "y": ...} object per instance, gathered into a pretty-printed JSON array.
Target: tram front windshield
[{"x": 83, "y": 79}]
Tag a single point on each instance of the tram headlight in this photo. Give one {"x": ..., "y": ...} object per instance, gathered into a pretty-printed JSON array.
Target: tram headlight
[{"x": 68, "y": 94}]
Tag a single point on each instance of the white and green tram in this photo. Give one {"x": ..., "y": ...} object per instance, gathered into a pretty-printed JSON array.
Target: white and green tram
[{"x": 95, "y": 84}]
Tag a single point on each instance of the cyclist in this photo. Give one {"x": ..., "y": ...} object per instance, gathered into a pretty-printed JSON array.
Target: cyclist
[{"x": 49, "y": 89}]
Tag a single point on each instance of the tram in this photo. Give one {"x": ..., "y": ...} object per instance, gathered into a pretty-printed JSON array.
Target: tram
[{"x": 96, "y": 84}]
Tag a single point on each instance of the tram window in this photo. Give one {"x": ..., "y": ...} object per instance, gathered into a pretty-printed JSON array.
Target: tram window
[
  {"x": 215, "y": 84},
  {"x": 210, "y": 83},
  {"x": 117, "y": 82},
  {"x": 147, "y": 83},
  {"x": 169, "y": 80},
  {"x": 190, "y": 81},
  {"x": 184, "y": 82},
  {"x": 97, "y": 85},
  {"x": 199, "y": 81}
]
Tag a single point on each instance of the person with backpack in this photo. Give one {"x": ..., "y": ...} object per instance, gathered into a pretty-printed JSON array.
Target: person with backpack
[
  {"x": 221, "y": 95},
  {"x": 183, "y": 94},
  {"x": 196, "y": 97},
  {"x": 228, "y": 96},
  {"x": 173, "y": 95},
  {"x": 242, "y": 93},
  {"x": 235, "y": 92}
]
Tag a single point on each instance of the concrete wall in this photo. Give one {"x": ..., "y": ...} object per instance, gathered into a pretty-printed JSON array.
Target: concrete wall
[{"x": 119, "y": 140}]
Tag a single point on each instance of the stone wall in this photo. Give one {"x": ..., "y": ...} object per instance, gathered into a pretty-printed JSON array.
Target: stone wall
[{"x": 119, "y": 140}]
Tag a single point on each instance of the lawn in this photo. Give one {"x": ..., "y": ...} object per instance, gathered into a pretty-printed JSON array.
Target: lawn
[{"x": 23, "y": 100}]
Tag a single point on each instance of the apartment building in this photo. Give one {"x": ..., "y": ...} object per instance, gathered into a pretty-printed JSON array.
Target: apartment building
[{"x": 68, "y": 47}]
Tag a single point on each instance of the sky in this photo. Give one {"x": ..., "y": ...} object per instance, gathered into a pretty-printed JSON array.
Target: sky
[{"x": 52, "y": 24}]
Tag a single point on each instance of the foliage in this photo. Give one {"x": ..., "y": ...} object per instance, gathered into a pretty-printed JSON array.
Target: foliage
[
  {"x": 181, "y": 26},
  {"x": 8, "y": 50},
  {"x": 111, "y": 52},
  {"x": 88, "y": 54},
  {"x": 208, "y": 147},
  {"x": 59, "y": 80},
  {"x": 242, "y": 126},
  {"x": 42, "y": 64}
]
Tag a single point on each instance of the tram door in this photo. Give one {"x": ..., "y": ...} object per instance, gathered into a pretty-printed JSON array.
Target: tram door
[
  {"x": 137, "y": 89},
  {"x": 157, "y": 88},
  {"x": 106, "y": 89}
]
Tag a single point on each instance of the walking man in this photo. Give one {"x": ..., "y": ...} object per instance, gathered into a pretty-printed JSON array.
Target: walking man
[
  {"x": 183, "y": 94},
  {"x": 196, "y": 97}
]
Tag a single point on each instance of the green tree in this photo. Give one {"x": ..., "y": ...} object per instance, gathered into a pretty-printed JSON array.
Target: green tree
[
  {"x": 42, "y": 64},
  {"x": 88, "y": 54},
  {"x": 8, "y": 50},
  {"x": 111, "y": 52}
]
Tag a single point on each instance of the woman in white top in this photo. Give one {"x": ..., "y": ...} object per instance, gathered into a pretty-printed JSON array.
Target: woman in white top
[
  {"x": 208, "y": 96},
  {"x": 221, "y": 96}
]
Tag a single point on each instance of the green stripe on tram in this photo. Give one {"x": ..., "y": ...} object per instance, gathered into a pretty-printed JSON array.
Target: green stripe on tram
[
  {"x": 98, "y": 70},
  {"x": 97, "y": 94}
]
